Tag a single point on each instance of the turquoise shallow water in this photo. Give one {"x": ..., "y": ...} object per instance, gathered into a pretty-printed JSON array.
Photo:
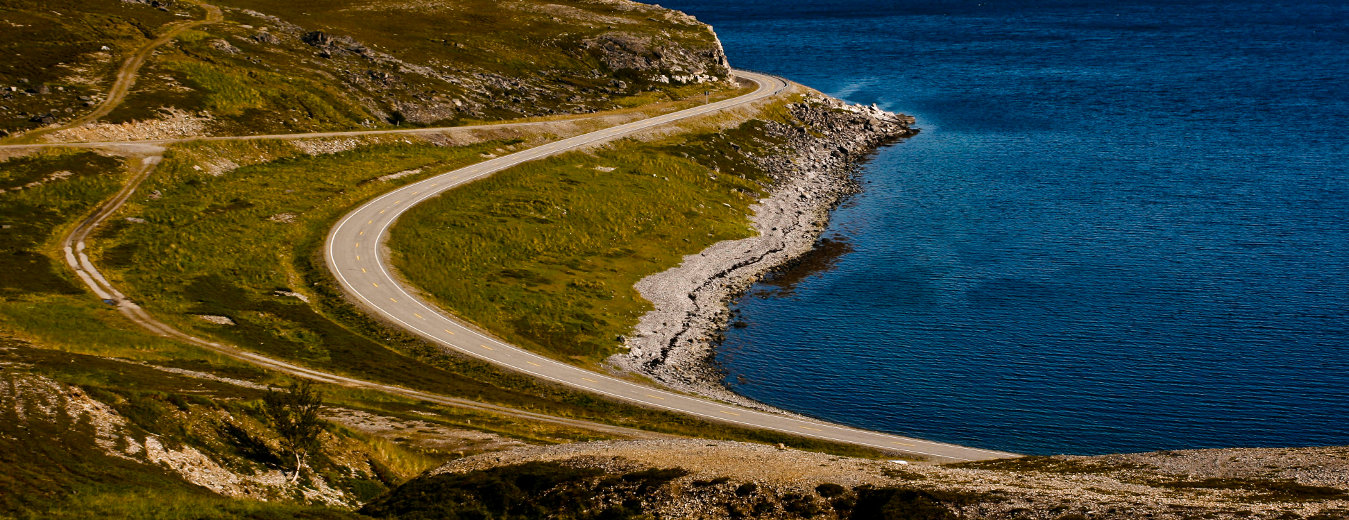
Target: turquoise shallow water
[{"x": 1124, "y": 227}]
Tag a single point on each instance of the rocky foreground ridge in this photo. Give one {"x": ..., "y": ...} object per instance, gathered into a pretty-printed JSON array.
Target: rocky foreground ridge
[
  {"x": 812, "y": 169},
  {"x": 716, "y": 480}
]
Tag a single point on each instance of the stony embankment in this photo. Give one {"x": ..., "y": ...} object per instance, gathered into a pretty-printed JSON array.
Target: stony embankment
[
  {"x": 812, "y": 171},
  {"x": 715, "y": 480}
]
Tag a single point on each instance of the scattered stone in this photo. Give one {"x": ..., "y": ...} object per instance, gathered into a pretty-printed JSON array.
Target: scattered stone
[
  {"x": 399, "y": 175},
  {"x": 293, "y": 294},
  {"x": 218, "y": 320},
  {"x": 224, "y": 46},
  {"x": 265, "y": 37}
]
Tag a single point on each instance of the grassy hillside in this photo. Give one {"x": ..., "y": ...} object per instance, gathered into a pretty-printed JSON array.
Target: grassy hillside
[
  {"x": 60, "y": 55},
  {"x": 273, "y": 67},
  {"x": 58, "y": 342}
]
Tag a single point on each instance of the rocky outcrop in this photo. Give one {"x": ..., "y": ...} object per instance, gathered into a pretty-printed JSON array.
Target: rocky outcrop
[
  {"x": 398, "y": 90},
  {"x": 659, "y": 62},
  {"x": 812, "y": 171}
]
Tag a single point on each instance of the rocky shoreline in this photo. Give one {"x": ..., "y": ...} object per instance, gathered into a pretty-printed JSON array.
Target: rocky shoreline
[{"x": 812, "y": 172}]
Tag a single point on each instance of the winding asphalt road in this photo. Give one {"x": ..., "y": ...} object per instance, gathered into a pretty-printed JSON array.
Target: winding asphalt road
[
  {"x": 363, "y": 274},
  {"x": 356, "y": 256}
]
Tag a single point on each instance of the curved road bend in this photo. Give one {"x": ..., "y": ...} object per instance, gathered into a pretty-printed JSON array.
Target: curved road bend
[
  {"x": 78, "y": 261},
  {"x": 148, "y": 154},
  {"x": 354, "y": 255}
]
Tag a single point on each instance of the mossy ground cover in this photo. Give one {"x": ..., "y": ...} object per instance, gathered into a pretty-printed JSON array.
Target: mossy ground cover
[{"x": 546, "y": 254}]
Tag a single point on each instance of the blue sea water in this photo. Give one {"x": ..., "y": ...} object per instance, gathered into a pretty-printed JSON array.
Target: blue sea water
[{"x": 1124, "y": 226}]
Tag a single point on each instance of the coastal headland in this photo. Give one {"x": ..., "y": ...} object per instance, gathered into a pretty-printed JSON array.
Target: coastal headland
[{"x": 201, "y": 205}]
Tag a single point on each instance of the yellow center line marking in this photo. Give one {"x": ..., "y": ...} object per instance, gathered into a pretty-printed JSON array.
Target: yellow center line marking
[
  {"x": 903, "y": 444},
  {"x": 374, "y": 284},
  {"x": 358, "y": 245},
  {"x": 362, "y": 269},
  {"x": 361, "y": 234},
  {"x": 487, "y": 347},
  {"x": 381, "y": 212},
  {"x": 811, "y": 429},
  {"x": 371, "y": 221},
  {"x": 358, "y": 259},
  {"x": 419, "y": 316},
  {"x": 730, "y": 413},
  {"x": 533, "y": 363},
  {"x": 589, "y": 379},
  {"x": 393, "y": 300},
  {"x": 655, "y": 397},
  {"x": 396, "y": 202},
  {"x": 450, "y": 332}
]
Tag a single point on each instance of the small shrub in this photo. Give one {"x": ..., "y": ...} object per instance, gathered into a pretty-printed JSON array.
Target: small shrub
[{"x": 830, "y": 490}]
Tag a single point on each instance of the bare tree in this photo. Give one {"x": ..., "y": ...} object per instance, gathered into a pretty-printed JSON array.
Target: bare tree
[{"x": 294, "y": 412}]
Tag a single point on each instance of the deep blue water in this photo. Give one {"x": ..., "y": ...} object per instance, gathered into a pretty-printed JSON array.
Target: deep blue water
[{"x": 1124, "y": 226}]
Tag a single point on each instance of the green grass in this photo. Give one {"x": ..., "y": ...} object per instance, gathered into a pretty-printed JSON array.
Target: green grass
[
  {"x": 546, "y": 254},
  {"x": 39, "y": 298},
  {"x": 67, "y": 185}
]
